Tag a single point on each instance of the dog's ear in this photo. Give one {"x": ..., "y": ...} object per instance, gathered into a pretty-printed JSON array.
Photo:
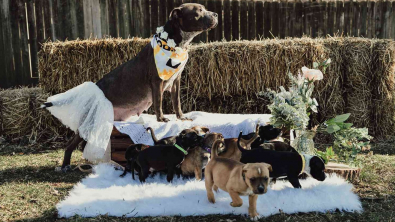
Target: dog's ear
[
  {"x": 269, "y": 167},
  {"x": 245, "y": 167},
  {"x": 205, "y": 129},
  {"x": 175, "y": 13}
]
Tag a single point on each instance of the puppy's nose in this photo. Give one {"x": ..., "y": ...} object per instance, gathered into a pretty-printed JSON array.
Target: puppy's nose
[{"x": 261, "y": 189}]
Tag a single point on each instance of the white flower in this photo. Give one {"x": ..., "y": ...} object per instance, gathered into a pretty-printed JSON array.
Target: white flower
[
  {"x": 328, "y": 61},
  {"x": 163, "y": 35},
  {"x": 179, "y": 50},
  {"x": 171, "y": 43},
  {"x": 315, "y": 102},
  {"x": 159, "y": 29},
  {"x": 312, "y": 74}
]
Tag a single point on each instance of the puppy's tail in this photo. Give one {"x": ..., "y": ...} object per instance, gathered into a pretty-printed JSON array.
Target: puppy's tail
[
  {"x": 238, "y": 142},
  {"x": 46, "y": 105},
  {"x": 152, "y": 135},
  {"x": 214, "y": 149}
]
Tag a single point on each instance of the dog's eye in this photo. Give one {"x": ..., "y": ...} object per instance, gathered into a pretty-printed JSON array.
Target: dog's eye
[
  {"x": 200, "y": 10},
  {"x": 252, "y": 179}
]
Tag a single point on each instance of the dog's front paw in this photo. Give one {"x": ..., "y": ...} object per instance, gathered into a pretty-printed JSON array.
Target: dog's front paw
[
  {"x": 236, "y": 204},
  {"x": 182, "y": 118},
  {"x": 163, "y": 119},
  {"x": 63, "y": 169}
]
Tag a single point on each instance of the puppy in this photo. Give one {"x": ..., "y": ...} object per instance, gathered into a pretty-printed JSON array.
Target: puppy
[
  {"x": 130, "y": 156},
  {"x": 267, "y": 139},
  {"x": 289, "y": 164},
  {"x": 172, "y": 139},
  {"x": 237, "y": 179},
  {"x": 231, "y": 150},
  {"x": 199, "y": 156},
  {"x": 167, "y": 157}
]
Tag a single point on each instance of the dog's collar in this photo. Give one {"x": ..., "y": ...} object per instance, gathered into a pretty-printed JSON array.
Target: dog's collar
[
  {"x": 181, "y": 149},
  {"x": 207, "y": 149},
  {"x": 303, "y": 163}
]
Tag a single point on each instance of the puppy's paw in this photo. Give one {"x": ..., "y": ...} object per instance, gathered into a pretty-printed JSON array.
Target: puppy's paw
[
  {"x": 236, "y": 204},
  {"x": 255, "y": 217},
  {"x": 184, "y": 118},
  {"x": 163, "y": 119},
  {"x": 211, "y": 200}
]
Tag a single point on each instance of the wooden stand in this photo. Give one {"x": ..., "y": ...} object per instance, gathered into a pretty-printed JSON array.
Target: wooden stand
[
  {"x": 343, "y": 170},
  {"x": 119, "y": 143}
]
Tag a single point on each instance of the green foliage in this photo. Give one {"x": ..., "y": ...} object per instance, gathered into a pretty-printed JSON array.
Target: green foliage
[{"x": 327, "y": 155}]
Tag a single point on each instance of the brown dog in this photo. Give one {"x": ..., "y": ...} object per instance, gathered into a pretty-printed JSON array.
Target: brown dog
[
  {"x": 136, "y": 85},
  {"x": 237, "y": 179},
  {"x": 231, "y": 150},
  {"x": 172, "y": 139},
  {"x": 198, "y": 157}
]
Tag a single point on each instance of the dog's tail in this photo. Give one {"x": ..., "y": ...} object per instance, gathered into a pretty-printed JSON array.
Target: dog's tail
[
  {"x": 132, "y": 167},
  {"x": 46, "y": 105},
  {"x": 215, "y": 147},
  {"x": 238, "y": 142},
  {"x": 153, "y": 135}
]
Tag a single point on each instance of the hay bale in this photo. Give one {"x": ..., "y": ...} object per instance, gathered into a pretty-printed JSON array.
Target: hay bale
[
  {"x": 228, "y": 76},
  {"x": 22, "y": 119},
  {"x": 64, "y": 65}
]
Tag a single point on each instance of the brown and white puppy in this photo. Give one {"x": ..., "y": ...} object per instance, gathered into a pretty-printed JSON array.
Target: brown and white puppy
[
  {"x": 231, "y": 149},
  {"x": 172, "y": 139},
  {"x": 135, "y": 85},
  {"x": 198, "y": 157},
  {"x": 237, "y": 179}
]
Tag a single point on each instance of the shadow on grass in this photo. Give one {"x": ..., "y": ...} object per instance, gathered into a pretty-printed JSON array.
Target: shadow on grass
[{"x": 40, "y": 174}]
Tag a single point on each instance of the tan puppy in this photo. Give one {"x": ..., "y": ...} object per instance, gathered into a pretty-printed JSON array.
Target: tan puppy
[
  {"x": 237, "y": 179},
  {"x": 231, "y": 150}
]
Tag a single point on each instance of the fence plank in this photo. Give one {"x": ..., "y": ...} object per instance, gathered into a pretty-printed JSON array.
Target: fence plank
[
  {"x": 104, "y": 18},
  {"x": 73, "y": 19},
  {"x": 162, "y": 12},
  {"x": 347, "y": 18},
  {"x": 297, "y": 30},
  {"x": 370, "y": 19},
  {"x": 88, "y": 25},
  {"x": 315, "y": 12},
  {"x": 259, "y": 19},
  {"x": 113, "y": 19},
  {"x": 235, "y": 20},
  {"x": 386, "y": 27},
  {"x": 243, "y": 23},
  {"x": 96, "y": 21},
  {"x": 32, "y": 39},
  {"x": 339, "y": 18},
  {"x": 211, "y": 7},
  {"x": 3, "y": 76},
  {"x": 267, "y": 19},
  {"x": 331, "y": 17},
  {"x": 275, "y": 18},
  {"x": 227, "y": 21},
  {"x": 48, "y": 32},
  {"x": 16, "y": 43},
  {"x": 8, "y": 31},
  {"x": 290, "y": 18},
  {"x": 219, "y": 35},
  {"x": 307, "y": 18},
  {"x": 123, "y": 18},
  {"x": 204, "y": 35},
  {"x": 378, "y": 19},
  {"x": 282, "y": 8},
  {"x": 363, "y": 18},
  {"x": 393, "y": 20},
  {"x": 40, "y": 26},
  {"x": 154, "y": 15},
  {"x": 24, "y": 77}
]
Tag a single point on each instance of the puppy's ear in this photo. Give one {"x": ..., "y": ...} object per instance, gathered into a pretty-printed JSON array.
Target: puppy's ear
[
  {"x": 245, "y": 167},
  {"x": 205, "y": 129},
  {"x": 269, "y": 167},
  {"x": 175, "y": 14}
]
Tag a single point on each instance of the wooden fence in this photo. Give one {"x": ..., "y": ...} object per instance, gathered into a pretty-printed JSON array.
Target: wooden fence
[{"x": 25, "y": 24}]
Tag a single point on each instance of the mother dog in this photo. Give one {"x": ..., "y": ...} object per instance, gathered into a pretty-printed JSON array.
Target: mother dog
[{"x": 90, "y": 109}]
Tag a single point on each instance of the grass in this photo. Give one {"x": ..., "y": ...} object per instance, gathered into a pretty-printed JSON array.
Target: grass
[{"x": 30, "y": 189}]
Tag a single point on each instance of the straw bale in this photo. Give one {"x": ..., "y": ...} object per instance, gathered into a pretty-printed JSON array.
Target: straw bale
[{"x": 21, "y": 117}]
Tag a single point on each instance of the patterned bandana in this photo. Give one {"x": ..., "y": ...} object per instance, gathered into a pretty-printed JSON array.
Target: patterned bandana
[{"x": 169, "y": 60}]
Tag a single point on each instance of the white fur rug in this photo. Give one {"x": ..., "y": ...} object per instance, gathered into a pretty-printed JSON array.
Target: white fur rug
[{"x": 104, "y": 192}]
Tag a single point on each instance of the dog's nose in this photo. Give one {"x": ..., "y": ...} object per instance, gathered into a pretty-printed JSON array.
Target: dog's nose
[{"x": 261, "y": 189}]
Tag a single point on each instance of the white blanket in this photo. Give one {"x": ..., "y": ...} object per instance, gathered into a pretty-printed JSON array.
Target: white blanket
[
  {"x": 229, "y": 125},
  {"x": 104, "y": 192}
]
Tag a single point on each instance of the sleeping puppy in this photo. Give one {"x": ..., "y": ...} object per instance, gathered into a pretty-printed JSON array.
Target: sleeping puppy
[
  {"x": 289, "y": 164},
  {"x": 172, "y": 139},
  {"x": 167, "y": 157},
  {"x": 268, "y": 136},
  {"x": 130, "y": 156},
  {"x": 237, "y": 179}
]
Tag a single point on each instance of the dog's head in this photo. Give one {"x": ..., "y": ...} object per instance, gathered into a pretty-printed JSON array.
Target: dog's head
[
  {"x": 133, "y": 150},
  {"x": 189, "y": 138},
  {"x": 317, "y": 168},
  {"x": 257, "y": 177},
  {"x": 209, "y": 139},
  {"x": 193, "y": 17},
  {"x": 269, "y": 132},
  {"x": 201, "y": 130}
]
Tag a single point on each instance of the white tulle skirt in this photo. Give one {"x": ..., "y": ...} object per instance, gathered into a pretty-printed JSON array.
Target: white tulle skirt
[{"x": 85, "y": 110}]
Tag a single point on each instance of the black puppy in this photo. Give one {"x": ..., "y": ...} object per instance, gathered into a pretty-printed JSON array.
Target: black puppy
[
  {"x": 266, "y": 135},
  {"x": 130, "y": 156},
  {"x": 167, "y": 157},
  {"x": 289, "y": 164}
]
